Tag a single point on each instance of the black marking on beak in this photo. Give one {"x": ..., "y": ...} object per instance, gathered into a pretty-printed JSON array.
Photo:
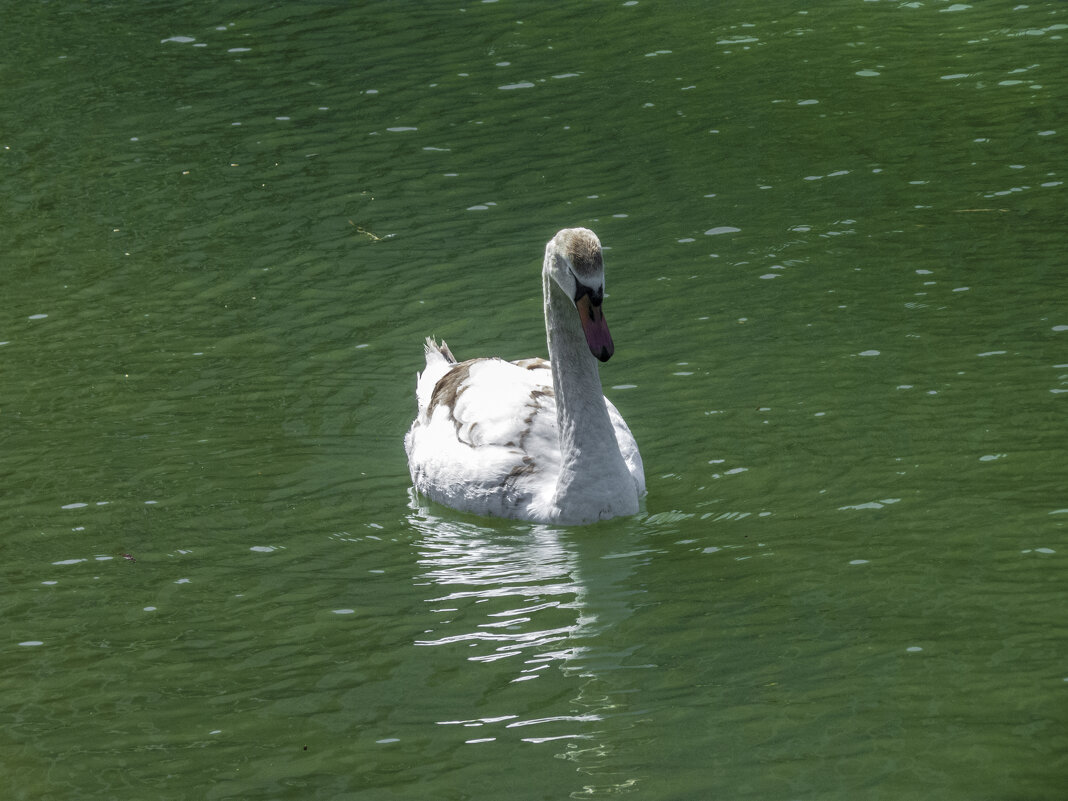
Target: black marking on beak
[{"x": 596, "y": 295}]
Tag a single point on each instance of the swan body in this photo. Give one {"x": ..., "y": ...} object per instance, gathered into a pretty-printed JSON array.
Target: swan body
[{"x": 531, "y": 439}]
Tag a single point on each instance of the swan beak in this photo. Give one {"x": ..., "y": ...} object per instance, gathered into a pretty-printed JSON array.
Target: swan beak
[{"x": 595, "y": 328}]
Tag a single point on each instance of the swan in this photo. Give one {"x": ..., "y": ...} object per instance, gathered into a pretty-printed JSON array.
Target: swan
[{"x": 531, "y": 439}]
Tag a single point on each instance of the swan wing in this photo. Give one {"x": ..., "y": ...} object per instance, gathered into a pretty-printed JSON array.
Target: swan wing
[{"x": 485, "y": 439}]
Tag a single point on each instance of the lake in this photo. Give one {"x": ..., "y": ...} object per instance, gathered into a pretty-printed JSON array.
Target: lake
[{"x": 835, "y": 243}]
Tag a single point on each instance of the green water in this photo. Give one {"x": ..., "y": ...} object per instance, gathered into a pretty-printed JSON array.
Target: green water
[{"x": 835, "y": 250}]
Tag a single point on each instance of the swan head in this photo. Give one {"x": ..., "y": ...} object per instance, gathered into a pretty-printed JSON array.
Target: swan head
[{"x": 574, "y": 262}]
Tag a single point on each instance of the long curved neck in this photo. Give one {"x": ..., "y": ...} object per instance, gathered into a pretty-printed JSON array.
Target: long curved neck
[{"x": 590, "y": 453}]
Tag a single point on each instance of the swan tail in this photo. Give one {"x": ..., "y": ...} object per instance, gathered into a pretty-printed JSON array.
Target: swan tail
[
  {"x": 438, "y": 361},
  {"x": 441, "y": 349}
]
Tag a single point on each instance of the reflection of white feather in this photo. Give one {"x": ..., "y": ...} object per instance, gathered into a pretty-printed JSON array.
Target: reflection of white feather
[{"x": 532, "y": 440}]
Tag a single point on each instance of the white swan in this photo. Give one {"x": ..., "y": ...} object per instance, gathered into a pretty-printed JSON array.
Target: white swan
[{"x": 532, "y": 439}]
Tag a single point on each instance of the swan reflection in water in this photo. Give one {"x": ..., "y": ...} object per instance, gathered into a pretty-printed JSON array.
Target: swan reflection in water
[
  {"x": 544, "y": 598},
  {"x": 524, "y": 579}
]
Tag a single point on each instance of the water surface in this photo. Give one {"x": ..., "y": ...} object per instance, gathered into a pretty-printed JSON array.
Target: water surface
[{"x": 836, "y": 284}]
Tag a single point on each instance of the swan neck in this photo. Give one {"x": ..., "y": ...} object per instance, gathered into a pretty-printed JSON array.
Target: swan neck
[
  {"x": 588, "y": 444},
  {"x": 576, "y": 379}
]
